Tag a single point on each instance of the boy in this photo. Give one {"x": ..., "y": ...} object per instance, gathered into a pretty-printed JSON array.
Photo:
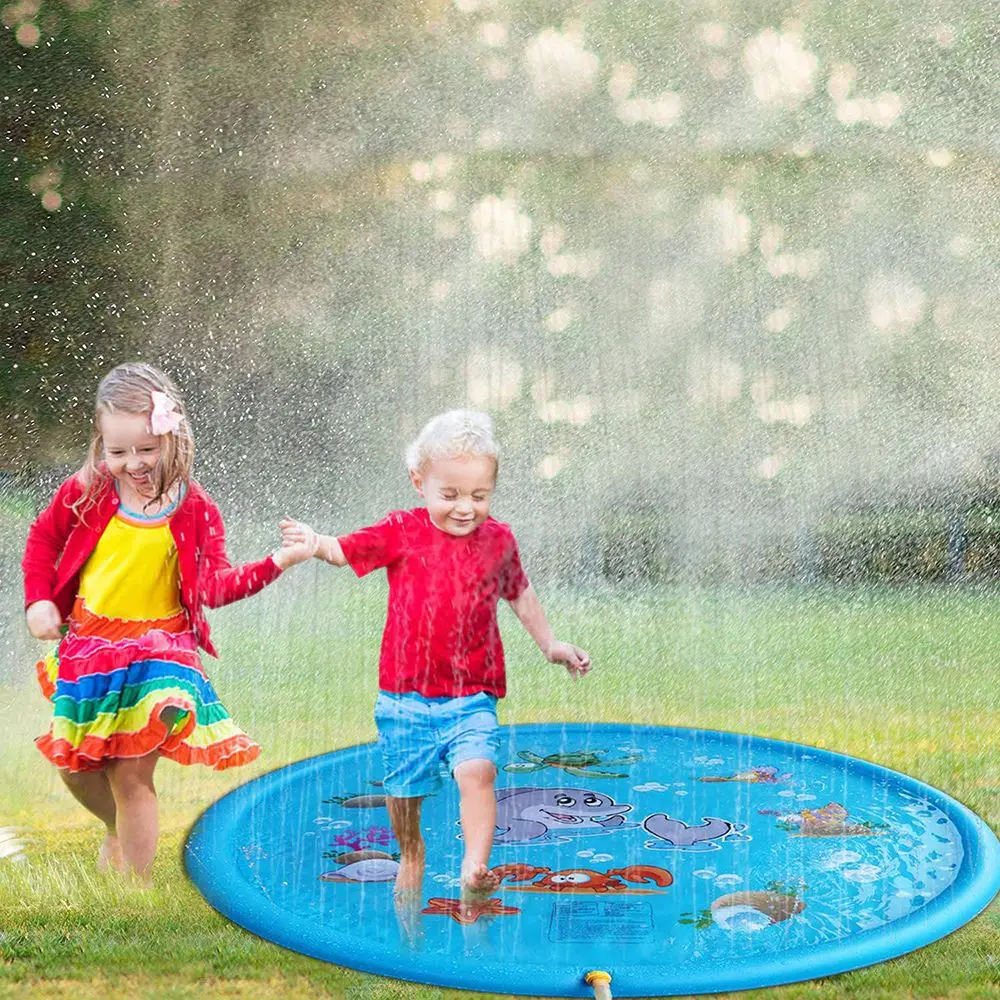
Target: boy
[{"x": 441, "y": 668}]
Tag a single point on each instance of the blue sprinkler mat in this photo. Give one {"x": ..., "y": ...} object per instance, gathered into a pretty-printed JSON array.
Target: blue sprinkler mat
[{"x": 679, "y": 860}]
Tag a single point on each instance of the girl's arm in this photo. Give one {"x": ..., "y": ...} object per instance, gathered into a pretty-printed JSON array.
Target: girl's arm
[
  {"x": 46, "y": 539},
  {"x": 529, "y": 611},
  {"x": 219, "y": 581}
]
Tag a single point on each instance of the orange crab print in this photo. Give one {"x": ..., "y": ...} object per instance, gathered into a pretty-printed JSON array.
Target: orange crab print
[{"x": 583, "y": 880}]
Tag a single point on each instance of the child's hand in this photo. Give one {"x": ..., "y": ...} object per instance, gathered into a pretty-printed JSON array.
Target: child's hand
[
  {"x": 298, "y": 543},
  {"x": 44, "y": 620},
  {"x": 574, "y": 659}
]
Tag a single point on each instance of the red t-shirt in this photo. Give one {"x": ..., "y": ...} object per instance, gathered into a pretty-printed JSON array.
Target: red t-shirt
[{"x": 441, "y": 637}]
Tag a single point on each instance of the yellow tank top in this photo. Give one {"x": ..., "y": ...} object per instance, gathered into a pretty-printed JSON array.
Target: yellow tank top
[{"x": 132, "y": 574}]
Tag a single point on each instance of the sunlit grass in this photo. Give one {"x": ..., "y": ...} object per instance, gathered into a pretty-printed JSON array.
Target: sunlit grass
[{"x": 905, "y": 679}]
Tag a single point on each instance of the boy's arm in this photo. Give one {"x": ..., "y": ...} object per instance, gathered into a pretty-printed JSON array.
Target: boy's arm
[
  {"x": 529, "y": 611},
  {"x": 363, "y": 550},
  {"x": 325, "y": 547},
  {"x": 328, "y": 549}
]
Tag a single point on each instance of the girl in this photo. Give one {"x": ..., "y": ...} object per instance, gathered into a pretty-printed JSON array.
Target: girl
[{"x": 127, "y": 552}]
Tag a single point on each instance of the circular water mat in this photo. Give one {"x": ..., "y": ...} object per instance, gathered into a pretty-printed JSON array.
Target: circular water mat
[{"x": 679, "y": 860}]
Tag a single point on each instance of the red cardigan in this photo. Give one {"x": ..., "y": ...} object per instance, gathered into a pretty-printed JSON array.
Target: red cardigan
[{"x": 59, "y": 543}]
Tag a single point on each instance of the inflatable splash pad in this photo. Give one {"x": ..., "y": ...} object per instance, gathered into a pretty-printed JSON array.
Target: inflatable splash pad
[{"x": 679, "y": 860}]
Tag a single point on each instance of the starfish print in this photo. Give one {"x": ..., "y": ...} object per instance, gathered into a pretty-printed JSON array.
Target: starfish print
[{"x": 464, "y": 912}]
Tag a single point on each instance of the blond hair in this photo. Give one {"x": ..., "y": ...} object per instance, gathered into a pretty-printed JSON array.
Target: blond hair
[
  {"x": 129, "y": 388},
  {"x": 457, "y": 432}
]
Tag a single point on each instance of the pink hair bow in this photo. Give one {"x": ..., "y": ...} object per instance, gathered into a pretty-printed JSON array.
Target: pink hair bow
[{"x": 165, "y": 418}]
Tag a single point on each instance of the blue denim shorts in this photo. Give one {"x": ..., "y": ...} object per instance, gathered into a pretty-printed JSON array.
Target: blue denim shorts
[{"x": 423, "y": 739}]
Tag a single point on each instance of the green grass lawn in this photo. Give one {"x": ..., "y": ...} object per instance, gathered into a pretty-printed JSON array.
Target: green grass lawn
[{"x": 906, "y": 679}]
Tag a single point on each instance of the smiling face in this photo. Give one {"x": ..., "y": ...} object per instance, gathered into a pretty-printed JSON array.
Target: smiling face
[
  {"x": 131, "y": 452},
  {"x": 457, "y": 491}
]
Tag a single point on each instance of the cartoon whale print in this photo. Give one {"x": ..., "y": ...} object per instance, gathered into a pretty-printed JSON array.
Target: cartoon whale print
[
  {"x": 700, "y": 837},
  {"x": 529, "y": 814}
]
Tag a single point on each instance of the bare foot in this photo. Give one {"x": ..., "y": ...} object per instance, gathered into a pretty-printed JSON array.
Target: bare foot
[
  {"x": 410, "y": 877},
  {"x": 110, "y": 857},
  {"x": 478, "y": 883},
  {"x": 144, "y": 882},
  {"x": 407, "y": 898},
  {"x": 408, "y": 907}
]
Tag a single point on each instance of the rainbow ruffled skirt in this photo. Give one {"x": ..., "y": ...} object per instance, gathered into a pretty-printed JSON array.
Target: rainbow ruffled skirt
[{"x": 109, "y": 694}]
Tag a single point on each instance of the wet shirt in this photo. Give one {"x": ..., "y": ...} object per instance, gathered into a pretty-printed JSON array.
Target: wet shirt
[
  {"x": 130, "y": 583},
  {"x": 132, "y": 573},
  {"x": 441, "y": 637}
]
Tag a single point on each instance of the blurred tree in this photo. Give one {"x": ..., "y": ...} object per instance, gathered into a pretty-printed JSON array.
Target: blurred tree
[
  {"x": 723, "y": 261},
  {"x": 73, "y": 282}
]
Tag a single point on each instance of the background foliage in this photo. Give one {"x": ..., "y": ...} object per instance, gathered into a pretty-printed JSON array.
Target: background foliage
[{"x": 722, "y": 270}]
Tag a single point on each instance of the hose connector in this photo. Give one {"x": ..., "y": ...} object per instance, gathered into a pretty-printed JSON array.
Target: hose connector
[{"x": 601, "y": 982}]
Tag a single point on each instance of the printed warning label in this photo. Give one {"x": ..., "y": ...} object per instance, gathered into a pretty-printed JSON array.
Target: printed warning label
[{"x": 578, "y": 920}]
